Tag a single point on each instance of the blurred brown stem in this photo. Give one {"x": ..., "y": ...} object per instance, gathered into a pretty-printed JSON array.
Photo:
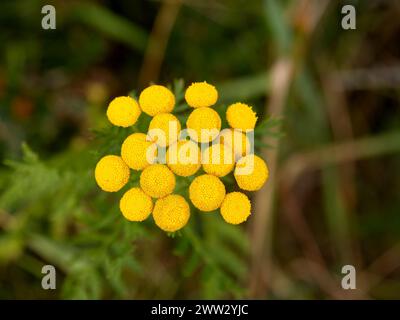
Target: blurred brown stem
[
  {"x": 281, "y": 78},
  {"x": 261, "y": 227},
  {"x": 158, "y": 41}
]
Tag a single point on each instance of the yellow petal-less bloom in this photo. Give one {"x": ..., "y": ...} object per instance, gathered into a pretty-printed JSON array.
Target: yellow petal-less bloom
[
  {"x": 204, "y": 124},
  {"x": 218, "y": 160},
  {"x": 111, "y": 173},
  {"x": 236, "y": 140},
  {"x": 207, "y": 192},
  {"x": 156, "y": 99},
  {"x": 254, "y": 172},
  {"x": 157, "y": 180},
  {"x": 183, "y": 158},
  {"x": 171, "y": 213},
  {"x": 123, "y": 111},
  {"x": 235, "y": 208},
  {"x": 201, "y": 94},
  {"x": 135, "y": 205},
  {"x": 137, "y": 152},
  {"x": 164, "y": 129},
  {"x": 241, "y": 116}
]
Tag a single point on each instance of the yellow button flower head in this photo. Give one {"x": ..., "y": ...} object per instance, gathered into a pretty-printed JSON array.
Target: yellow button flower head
[
  {"x": 183, "y": 158},
  {"x": 201, "y": 94},
  {"x": 171, "y": 213},
  {"x": 236, "y": 140},
  {"x": 204, "y": 124},
  {"x": 111, "y": 173},
  {"x": 164, "y": 129},
  {"x": 251, "y": 172},
  {"x": 135, "y": 205},
  {"x": 235, "y": 208},
  {"x": 157, "y": 180},
  {"x": 123, "y": 111},
  {"x": 218, "y": 160},
  {"x": 137, "y": 152},
  {"x": 156, "y": 99},
  {"x": 241, "y": 116},
  {"x": 207, "y": 192}
]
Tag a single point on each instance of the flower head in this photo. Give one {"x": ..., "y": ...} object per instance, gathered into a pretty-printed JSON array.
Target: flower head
[
  {"x": 207, "y": 192},
  {"x": 183, "y": 158},
  {"x": 164, "y": 128},
  {"x": 251, "y": 172},
  {"x": 201, "y": 94},
  {"x": 171, "y": 213},
  {"x": 236, "y": 140},
  {"x": 111, "y": 173},
  {"x": 135, "y": 205},
  {"x": 123, "y": 111},
  {"x": 218, "y": 160},
  {"x": 241, "y": 116},
  {"x": 137, "y": 152},
  {"x": 157, "y": 180},
  {"x": 235, "y": 208},
  {"x": 156, "y": 99},
  {"x": 204, "y": 124}
]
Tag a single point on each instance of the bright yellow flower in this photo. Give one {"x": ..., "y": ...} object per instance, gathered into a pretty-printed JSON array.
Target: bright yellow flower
[
  {"x": 137, "y": 152},
  {"x": 235, "y": 208},
  {"x": 164, "y": 129},
  {"x": 111, "y": 173},
  {"x": 236, "y": 140},
  {"x": 183, "y": 158},
  {"x": 251, "y": 173},
  {"x": 241, "y": 116},
  {"x": 157, "y": 180},
  {"x": 204, "y": 124},
  {"x": 207, "y": 192},
  {"x": 135, "y": 205},
  {"x": 156, "y": 99},
  {"x": 218, "y": 160},
  {"x": 201, "y": 94},
  {"x": 123, "y": 111},
  {"x": 171, "y": 213}
]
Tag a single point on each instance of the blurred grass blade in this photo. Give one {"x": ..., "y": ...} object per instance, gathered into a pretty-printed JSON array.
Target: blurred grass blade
[
  {"x": 276, "y": 23},
  {"x": 111, "y": 25},
  {"x": 250, "y": 87}
]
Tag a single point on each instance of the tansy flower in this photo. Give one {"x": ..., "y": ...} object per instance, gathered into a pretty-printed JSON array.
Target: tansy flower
[
  {"x": 137, "y": 152},
  {"x": 135, "y": 205},
  {"x": 236, "y": 140},
  {"x": 218, "y": 160},
  {"x": 183, "y": 158},
  {"x": 171, "y": 213},
  {"x": 235, "y": 208},
  {"x": 204, "y": 124},
  {"x": 123, "y": 111},
  {"x": 207, "y": 192},
  {"x": 241, "y": 116},
  {"x": 157, "y": 180},
  {"x": 156, "y": 99},
  {"x": 201, "y": 94},
  {"x": 111, "y": 173},
  {"x": 251, "y": 172},
  {"x": 164, "y": 129}
]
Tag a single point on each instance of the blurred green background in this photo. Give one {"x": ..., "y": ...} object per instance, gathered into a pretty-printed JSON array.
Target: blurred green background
[{"x": 330, "y": 101}]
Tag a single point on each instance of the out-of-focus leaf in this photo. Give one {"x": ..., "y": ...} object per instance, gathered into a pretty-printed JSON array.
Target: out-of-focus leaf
[{"x": 112, "y": 25}]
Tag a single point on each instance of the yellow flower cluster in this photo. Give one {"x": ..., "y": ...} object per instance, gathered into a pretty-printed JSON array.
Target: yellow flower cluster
[{"x": 221, "y": 153}]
